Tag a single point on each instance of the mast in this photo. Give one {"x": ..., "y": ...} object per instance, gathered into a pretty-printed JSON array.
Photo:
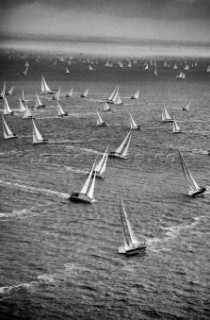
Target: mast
[
  {"x": 188, "y": 176},
  {"x": 132, "y": 235},
  {"x": 85, "y": 187}
]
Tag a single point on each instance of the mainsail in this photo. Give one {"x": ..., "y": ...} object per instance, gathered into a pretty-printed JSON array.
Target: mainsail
[
  {"x": 136, "y": 95},
  {"x": 37, "y": 137},
  {"x": 3, "y": 91},
  {"x": 7, "y": 109},
  {"x": 44, "y": 86},
  {"x": 6, "y": 130},
  {"x": 100, "y": 168},
  {"x": 133, "y": 124},
  {"x": 165, "y": 115},
  {"x": 122, "y": 150},
  {"x": 100, "y": 121},
  {"x": 27, "y": 113},
  {"x": 61, "y": 113},
  {"x": 176, "y": 128},
  {"x": 22, "y": 107}
]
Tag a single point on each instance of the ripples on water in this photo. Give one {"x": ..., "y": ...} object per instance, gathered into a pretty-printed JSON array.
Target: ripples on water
[{"x": 59, "y": 259}]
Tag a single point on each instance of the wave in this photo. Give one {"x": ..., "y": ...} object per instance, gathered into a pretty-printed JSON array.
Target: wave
[{"x": 29, "y": 188}]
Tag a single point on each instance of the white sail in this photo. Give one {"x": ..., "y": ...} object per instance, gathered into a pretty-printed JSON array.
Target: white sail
[
  {"x": 86, "y": 185},
  {"x": 3, "y": 90},
  {"x": 85, "y": 94},
  {"x": 124, "y": 153},
  {"x": 99, "y": 120},
  {"x": 125, "y": 240},
  {"x": 146, "y": 67},
  {"x": 44, "y": 87},
  {"x": 165, "y": 115},
  {"x": 24, "y": 73},
  {"x": 90, "y": 193},
  {"x": 120, "y": 148},
  {"x": 175, "y": 126},
  {"x": 90, "y": 68},
  {"x": 208, "y": 69},
  {"x": 100, "y": 167},
  {"x": 57, "y": 95},
  {"x": 113, "y": 93},
  {"x": 175, "y": 66},
  {"x": 187, "y": 107},
  {"x": 70, "y": 93},
  {"x": 67, "y": 70},
  {"x": 60, "y": 110},
  {"x": 133, "y": 124},
  {"x": 37, "y": 137},
  {"x": 22, "y": 107},
  {"x": 6, "y": 130},
  {"x": 155, "y": 72},
  {"x": 188, "y": 176},
  {"x": 38, "y": 101},
  {"x": 136, "y": 95},
  {"x": 133, "y": 239},
  {"x": 106, "y": 107},
  {"x": 27, "y": 113},
  {"x": 10, "y": 91},
  {"x": 7, "y": 109}
]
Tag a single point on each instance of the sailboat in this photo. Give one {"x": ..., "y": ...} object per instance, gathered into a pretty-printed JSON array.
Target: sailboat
[
  {"x": 90, "y": 68},
  {"x": 61, "y": 113},
  {"x": 132, "y": 245},
  {"x": 208, "y": 69},
  {"x": 85, "y": 94},
  {"x": 107, "y": 107},
  {"x": 3, "y": 91},
  {"x": 86, "y": 195},
  {"x": 25, "y": 71},
  {"x": 7, "y": 109},
  {"x": 38, "y": 103},
  {"x": 187, "y": 107},
  {"x": 133, "y": 125},
  {"x": 136, "y": 95},
  {"x": 22, "y": 107},
  {"x": 165, "y": 115},
  {"x": 114, "y": 97},
  {"x": 10, "y": 91},
  {"x": 6, "y": 130},
  {"x": 44, "y": 87},
  {"x": 27, "y": 113},
  {"x": 100, "y": 168},
  {"x": 181, "y": 76},
  {"x": 37, "y": 137},
  {"x": 176, "y": 128},
  {"x": 122, "y": 151},
  {"x": 70, "y": 93},
  {"x": 194, "y": 188},
  {"x": 67, "y": 71},
  {"x": 56, "y": 96},
  {"x": 100, "y": 121}
]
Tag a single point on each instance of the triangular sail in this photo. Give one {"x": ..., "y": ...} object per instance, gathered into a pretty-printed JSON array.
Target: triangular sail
[
  {"x": 44, "y": 86},
  {"x": 99, "y": 120},
  {"x": 125, "y": 240},
  {"x": 188, "y": 176},
  {"x": 106, "y": 107},
  {"x": 125, "y": 151},
  {"x": 175, "y": 126},
  {"x": 7, "y": 109},
  {"x": 85, "y": 93},
  {"x": 27, "y": 113},
  {"x": 136, "y": 95},
  {"x": 22, "y": 107},
  {"x": 10, "y": 91},
  {"x": 132, "y": 235},
  {"x": 60, "y": 110},
  {"x": 113, "y": 93},
  {"x": 6, "y": 130},
  {"x": 3, "y": 90},
  {"x": 132, "y": 122},
  {"x": 37, "y": 137},
  {"x": 120, "y": 148},
  {"x": 165, "y": 114},
  {"x": 90, "y": 193},
  {"x": 101, "y": 165},
  {"x": 88, "y": 180},
  {"x": 70, "y": 94}
]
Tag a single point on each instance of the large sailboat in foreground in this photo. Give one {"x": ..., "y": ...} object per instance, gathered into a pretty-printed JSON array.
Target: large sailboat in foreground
[
  {"x": 132, "y": 245},
  {"x": 165, "y": 115},
  {"x": 86, "y": 195},
  {"x": 100, "y": 167},
  {"x": 122, "y": 151},
  {"x": 37, "y": 137},
  {"x": 195, "y": 190},
  {"x": 6, "y": 130}
]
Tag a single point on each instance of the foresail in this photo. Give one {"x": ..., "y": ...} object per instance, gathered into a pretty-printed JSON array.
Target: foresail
[
  {"x": 87, "y": 182},
  {"x": 7, "y": 131},
  {"x": 90, "y": 193},
  {"x": 112, "y": 94},
  {"x": 120, "y": 148},
  {"x": 125, "y": 151},
  {"x": 175, "y": 126}
]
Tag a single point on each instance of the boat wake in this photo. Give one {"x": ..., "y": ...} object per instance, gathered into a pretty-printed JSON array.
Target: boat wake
[{"x": 33, "y": 189}]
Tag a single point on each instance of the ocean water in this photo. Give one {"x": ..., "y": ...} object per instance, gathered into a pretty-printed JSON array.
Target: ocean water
[{"x": 58, "y": 259}]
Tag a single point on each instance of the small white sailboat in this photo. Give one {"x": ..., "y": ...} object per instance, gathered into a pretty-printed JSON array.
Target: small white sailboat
[
  {"x": 195, "y": 190},
  {"x": 6, "y": 130},
  {"x": 187, "y": 107},
  {"x": 122, "y": 151},
  {"x": 7, "y": 109},
  {"x": 61, "y": 113},
  {"x": 107, "y": 107},
  {"x": 27, "y": 113},
  {"x": 86, "y": 195},
  {"x": 208, "y": 69},
  {"x": 90, "y": 68},
  {"x": 100, "y": 167},
  {"x": 38, "y": 103},
  {"x": 181, "y": 76},
  {"x": 175, "y": 66},
  {"x": 136, "y": 95},
  {"x": 37, "y": 137},
  {"x": 176, "y": 128},
  {"x": 100, "y": 121},
  {"x": 10, "y": 91},
  {"x": 114, "y": 97},
  {"x": 67, "y": 71},
  {"x": 187, "y": 67},
  {"x": 165, "y": 115},
  {"x": 2, "y": 95},
  {"x": 133, "y": 124},
  {"x": 132, "y": 245},
  {"x": 22, "y": 107},
  {"x": 25, "y": 71},
  {"x": 85, "y": 94},
  {"x": 44, "y": 87},
  {"x": 155, "y": 72},
  {"x": 146, "y": 68},
  {"x": 70, "y": 93},
  {"x": 56, "y": 96}
]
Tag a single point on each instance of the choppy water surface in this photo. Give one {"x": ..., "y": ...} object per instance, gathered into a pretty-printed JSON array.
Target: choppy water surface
[{"x": 59, "y": 260}]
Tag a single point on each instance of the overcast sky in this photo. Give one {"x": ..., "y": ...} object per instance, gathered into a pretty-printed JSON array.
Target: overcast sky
[{"x": 185, "y": 20}]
